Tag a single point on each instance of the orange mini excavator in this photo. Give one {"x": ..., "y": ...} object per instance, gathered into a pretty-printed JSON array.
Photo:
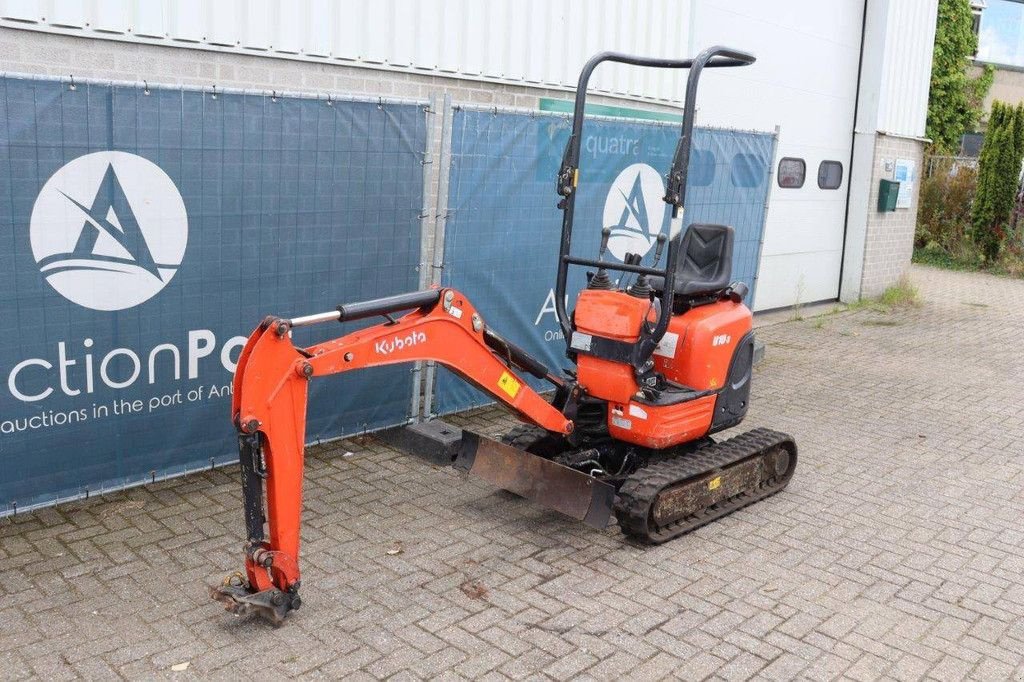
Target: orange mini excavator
[{"x": 661, "y": 365}]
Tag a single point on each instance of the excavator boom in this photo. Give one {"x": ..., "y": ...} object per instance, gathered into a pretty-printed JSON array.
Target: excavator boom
[{"x": 269, "y": 410}]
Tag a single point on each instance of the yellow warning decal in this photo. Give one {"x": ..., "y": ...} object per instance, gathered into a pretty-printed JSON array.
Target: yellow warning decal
[
  {"x": 509, "y": 384},
  {"x": 714, "y": 483}
]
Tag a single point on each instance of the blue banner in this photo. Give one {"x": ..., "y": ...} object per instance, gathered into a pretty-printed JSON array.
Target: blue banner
[
  {"x": 503, "y": 229},
  {"x": 147, "y": 231}
]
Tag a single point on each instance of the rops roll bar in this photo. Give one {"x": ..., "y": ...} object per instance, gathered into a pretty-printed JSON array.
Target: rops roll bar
[{"x": 675, "y": 195}]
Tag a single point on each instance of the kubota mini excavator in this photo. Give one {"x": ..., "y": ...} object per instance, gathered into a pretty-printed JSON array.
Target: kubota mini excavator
[{"x": 660, "y": 366}]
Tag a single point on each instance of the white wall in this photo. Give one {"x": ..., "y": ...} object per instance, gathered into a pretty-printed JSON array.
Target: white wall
[
  {"x": 906, "y": 70},
  {"x": 898, "y": 44},
  {"x": 532, "y": 41}
]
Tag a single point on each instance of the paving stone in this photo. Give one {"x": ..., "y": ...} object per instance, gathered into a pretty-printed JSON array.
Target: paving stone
[{"x": 895, "y": 552}]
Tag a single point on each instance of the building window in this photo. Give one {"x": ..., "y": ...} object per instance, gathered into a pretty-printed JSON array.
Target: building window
[
  {"x": 1001, "y": 33},
  {"x": 702, "y": 168},
  {"x": 747, "y": 170},
  {"x": 792, "y": 172},
  {"x": 977, "y": 6},
  {"x": 830, "y": 175}
]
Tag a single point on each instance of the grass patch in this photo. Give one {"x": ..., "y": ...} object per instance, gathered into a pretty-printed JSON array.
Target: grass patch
[
  {"x": 867, "y": 304},
  {"x": 903, "y": 294}
]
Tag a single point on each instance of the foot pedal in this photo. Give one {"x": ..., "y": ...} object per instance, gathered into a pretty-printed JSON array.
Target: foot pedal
[
  {"x": 234, "y": 595},
  {"x": 540, "y": 480}
]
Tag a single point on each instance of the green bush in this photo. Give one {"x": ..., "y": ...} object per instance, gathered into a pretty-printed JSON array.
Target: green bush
[{"x": 944, "y": 208}]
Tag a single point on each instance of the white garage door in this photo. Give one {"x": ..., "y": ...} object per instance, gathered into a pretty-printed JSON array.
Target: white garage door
[{"x": 805, "y": 81}]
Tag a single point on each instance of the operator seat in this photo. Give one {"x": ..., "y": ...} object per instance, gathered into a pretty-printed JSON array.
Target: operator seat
[{"x": 704, "y": 265}]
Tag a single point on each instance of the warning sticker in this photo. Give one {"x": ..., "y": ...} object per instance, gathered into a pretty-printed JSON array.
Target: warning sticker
[
  {"x": 666, "y": 348},
  {"x": 581, "y": 341},
  {"x": 509, "y": 384},
  {"x": 714, "y": 483}
]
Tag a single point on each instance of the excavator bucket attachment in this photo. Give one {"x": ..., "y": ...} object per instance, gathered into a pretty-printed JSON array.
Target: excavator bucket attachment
[
  {"x": 539, "y": 480},
  {"x": 236, "y": 597}
]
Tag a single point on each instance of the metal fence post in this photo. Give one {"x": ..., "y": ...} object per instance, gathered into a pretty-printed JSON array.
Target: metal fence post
[
  {"x": 444, "y": 168},
  {"x": 427, "y": 242}
]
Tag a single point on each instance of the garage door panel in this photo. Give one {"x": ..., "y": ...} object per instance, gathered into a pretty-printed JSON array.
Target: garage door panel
[
  {"x": 787, "y": 279},
  {"x": 814, "y": 14},
  {"x": 805, "y": 82},
  {"x": 799, "y": 226}
]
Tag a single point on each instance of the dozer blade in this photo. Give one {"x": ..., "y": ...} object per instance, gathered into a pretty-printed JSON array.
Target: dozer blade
[{"x": 540, "y": 480}]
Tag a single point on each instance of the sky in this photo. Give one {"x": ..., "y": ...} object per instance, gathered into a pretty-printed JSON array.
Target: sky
[{"x": 1001, "y": 37}]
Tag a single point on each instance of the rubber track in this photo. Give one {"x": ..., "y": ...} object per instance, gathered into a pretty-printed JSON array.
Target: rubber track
[
  {"x": 639, "y": 492},
  {"x": 523, "y": 436}
]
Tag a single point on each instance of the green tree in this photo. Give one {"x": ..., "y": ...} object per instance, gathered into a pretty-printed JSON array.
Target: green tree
[
  {"x": 999, "y": 166},
  {"x": 955, "y": 99}
]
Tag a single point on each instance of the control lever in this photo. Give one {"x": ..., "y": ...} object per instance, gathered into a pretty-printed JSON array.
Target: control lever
[
  {"x": 600, "y": 279},
  {"x": 662, "y": 239},
  {"x": 606, "y": 232},
  {"x": 641, "y": 288}
]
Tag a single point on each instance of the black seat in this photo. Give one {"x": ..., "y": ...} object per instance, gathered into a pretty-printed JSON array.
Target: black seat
[{"x": 704, "y": 265}]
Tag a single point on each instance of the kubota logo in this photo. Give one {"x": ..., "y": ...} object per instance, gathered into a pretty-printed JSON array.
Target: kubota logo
[
  {"x": 109, "y": 230},
  {"x": 387, "y": 346},
  {"x": 634, "y": 210}
]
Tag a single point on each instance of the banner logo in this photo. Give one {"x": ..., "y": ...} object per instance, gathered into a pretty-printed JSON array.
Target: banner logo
[
  {"x": 109, "y": 230},
  {"x": 634, "y": 210}
]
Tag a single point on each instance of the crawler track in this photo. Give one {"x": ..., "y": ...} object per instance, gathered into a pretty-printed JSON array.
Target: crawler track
[{"x": 665, "y": 500}]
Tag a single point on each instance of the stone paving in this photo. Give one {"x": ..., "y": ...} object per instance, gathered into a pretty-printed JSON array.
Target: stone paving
[{"x": 897, "y": 551}]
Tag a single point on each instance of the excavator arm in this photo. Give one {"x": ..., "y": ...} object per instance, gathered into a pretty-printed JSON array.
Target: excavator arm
[{"x": 269, "y": 410}]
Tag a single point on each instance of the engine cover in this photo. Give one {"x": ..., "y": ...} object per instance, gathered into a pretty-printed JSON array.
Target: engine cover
[{"x": 697, "y": 352}]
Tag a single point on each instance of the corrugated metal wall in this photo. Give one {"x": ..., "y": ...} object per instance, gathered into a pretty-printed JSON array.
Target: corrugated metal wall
[
  {"x": 533, "y": 41},
  {"x": 907, "y": 66}
]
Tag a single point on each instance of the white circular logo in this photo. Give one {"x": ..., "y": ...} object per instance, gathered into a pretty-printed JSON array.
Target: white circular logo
[
  {"x": 634, "y": 210},
  {"x": 109, "y": 230}
]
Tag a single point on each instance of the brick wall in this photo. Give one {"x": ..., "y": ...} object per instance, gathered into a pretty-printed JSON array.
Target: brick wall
[
  {"x": 889, "y": 241},
  {"x": 34, "y": 52}
]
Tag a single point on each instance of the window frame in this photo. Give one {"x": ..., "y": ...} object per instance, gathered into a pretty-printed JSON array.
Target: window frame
[
  {"x": 841, "y": 173},
  {"x": 778, "y": 172}
]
